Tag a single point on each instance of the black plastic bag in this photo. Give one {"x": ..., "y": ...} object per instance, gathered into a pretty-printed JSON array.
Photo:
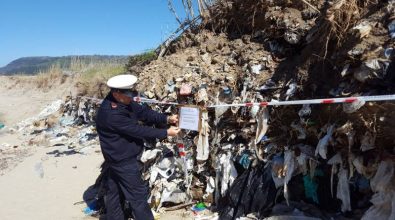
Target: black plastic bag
[{"x": 252, "y": 192}]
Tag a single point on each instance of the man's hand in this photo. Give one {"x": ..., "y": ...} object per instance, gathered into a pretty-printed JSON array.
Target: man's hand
[
  {"x": 173, "y": 131},
  {"x": 173, "y": 119}
]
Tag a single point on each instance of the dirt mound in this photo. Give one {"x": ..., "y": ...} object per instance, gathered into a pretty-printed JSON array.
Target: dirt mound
[{"x": 254, "y": 51}]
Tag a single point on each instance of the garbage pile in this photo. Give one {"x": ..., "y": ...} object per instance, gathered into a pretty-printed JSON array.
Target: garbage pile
[
  {"x": 320, "y": 161},
  {"x": 67, "y": 126}
]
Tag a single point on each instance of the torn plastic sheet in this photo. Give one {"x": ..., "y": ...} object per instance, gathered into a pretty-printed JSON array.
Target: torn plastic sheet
[
  {"x": 149, "y": 155},
  {"x": 383, "y": 206},
  {"x": 306, "y": 154},
  {"x": 345, "y": 70},
  {"x": 391, "y": 29},
  {"x": 165, "y": 168},
  {"x": 291, "y": 91},
  {"x": 353, "y": 106},
  {"x": 322, "y": 146},
  {"x": 301, "y": 131},
  {"x": 262, "y": 118},
  {"x": 228, "y": 171},
  {"x": 172, "y": 193},
  {"x": 334, "y": 161},
  {"x": 383, "y": 179},
  {"x": 202, "y": 146},
  {"x": 254, "y": 111},
  {"x": 363, "y": 28},
  {"x": 367, "y": 141},
  {"x": 219, "y": 112},
  {"x": 289, "y": 169},
  {"x": 210, "y": 187},
  {"x": 343, "y": 190}
]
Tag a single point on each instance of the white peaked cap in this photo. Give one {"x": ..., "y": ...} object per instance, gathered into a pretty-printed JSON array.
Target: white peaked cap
[{"x": 125, "y": 81}]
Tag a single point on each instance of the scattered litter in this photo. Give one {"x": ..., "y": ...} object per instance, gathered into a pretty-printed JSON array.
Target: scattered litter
[
  {"x": 391, "y": 29},
  {"x": 199, "y": 207},
  {"x": 38, "y": 168}
]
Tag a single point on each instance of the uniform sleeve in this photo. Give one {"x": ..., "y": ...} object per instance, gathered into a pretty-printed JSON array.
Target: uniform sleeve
[
  {"x": 124, "y": 125},
  {"x": 148, "y": 115}
]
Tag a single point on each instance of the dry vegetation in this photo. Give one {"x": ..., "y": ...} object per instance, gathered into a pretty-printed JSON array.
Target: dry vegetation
[{"x": 87, "y": 79}]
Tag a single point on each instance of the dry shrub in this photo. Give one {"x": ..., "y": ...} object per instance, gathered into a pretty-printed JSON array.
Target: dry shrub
[
  {"x": 244, "y": 17},
  {"x": 92, "y": 82},
  {"x": 334, "y": 24},
  {"x": 49, "y": 78},
  {"x": 94, "y": 88}
]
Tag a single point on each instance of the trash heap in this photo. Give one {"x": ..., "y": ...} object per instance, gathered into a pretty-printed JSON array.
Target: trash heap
[
  {"x": 67, "y": 126},
  {"x": 320, "y": 161}
]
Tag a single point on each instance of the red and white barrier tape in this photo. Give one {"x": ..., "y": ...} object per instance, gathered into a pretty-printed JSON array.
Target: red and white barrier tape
[
  {"x": 136, "y": 99},
  {"x": 376, "y": 98},
  {"x": 312, "y": 101}
]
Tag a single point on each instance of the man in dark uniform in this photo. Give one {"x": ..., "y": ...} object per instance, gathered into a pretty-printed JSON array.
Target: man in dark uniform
[{"x": 121, "y": 140}]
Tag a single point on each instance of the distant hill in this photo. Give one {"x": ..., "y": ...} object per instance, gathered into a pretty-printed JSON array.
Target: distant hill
[{"x": 33, "y": 65}]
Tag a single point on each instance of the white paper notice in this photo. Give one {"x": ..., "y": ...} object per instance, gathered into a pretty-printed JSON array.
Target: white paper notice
[{"x": 189, "y": 118}]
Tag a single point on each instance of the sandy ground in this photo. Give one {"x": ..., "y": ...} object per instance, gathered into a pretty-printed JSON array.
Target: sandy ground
[
  {"x": 22, "y": 100},
  {"x": 24, "y": 194}
]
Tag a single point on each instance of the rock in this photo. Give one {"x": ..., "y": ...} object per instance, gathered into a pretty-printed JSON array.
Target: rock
[
  {"x": 246, "y": 39},
  {"x": 215, "y": 60},
  {"x": 190, "y": 58},
  {"x": 211, "y": 47}
]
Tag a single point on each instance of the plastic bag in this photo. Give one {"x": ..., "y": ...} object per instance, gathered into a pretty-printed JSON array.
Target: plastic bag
[
  {"x": 227, "y": 170},
  {"x": 337, "y": 159},
  {"x": 252, "y": 192},
  {"x": 383, "y": 207},
  {"x": 343, "y": 190},
  {"x": 289, "y": 169},
  {"x": 322, "y": 145},
  {"x": 202, "y": 146},
  {"x": 263, "y": 118},
  {"x": 381, "y": 181},
  {"x": 149, "y": 154}
]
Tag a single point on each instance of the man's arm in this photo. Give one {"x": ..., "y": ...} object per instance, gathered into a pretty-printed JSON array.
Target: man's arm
[
  {"x": 148, "y": 115},
  {"x": 124, "y": 125}
]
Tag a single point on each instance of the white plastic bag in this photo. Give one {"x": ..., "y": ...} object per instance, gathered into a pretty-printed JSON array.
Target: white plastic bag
[
  {"x": 202, "y": 146},
  {"x": 322, "y": 146},
  {"x": 382, "y": 207},
  {"x": 289, "y": 168},
  {"x": 343, "y": 190},
  {"x": 382, "y": 181},
  {"x": 263, "y": 118}
]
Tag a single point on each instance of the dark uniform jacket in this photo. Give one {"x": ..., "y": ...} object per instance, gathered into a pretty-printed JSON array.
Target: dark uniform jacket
[{"x": 121, "y": 135}]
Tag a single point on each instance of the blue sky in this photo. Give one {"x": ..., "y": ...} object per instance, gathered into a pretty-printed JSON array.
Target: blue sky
[{"x": 82, "y": 27}]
